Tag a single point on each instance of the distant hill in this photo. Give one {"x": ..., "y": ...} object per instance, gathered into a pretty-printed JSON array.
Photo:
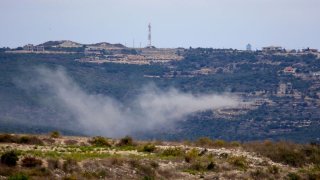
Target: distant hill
[{"x": 72, "y": 44}]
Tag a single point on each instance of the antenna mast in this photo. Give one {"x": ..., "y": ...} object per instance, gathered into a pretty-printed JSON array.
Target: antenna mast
[{"x": 149, "y": 36}]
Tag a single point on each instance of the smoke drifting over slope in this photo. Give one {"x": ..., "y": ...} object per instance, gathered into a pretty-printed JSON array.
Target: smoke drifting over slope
[{"x": 103, "y": 115}]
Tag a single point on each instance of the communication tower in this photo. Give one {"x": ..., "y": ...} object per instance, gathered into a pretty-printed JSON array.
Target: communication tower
[{"x": 149, "y": 35}]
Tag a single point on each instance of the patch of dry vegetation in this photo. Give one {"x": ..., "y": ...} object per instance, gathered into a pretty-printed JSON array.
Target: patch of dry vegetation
[{"x": 24, "y": 157}]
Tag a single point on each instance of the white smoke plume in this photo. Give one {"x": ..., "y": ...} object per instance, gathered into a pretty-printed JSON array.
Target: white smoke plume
[{"x": 103, "y": 115}]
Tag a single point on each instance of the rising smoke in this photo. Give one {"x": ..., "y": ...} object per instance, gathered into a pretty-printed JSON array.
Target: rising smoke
[{"x": 103, "y": 115}]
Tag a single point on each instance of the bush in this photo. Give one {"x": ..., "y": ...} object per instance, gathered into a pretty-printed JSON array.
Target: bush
[
  {"x": 30, "y": 140},
  {"x": 8, "y": 138},
  {"x": 53, "y": 164},
  {"x": 219, "y": 143},
  {"x": 259, "y": 174},
  {"x": 291, "y": 154},
  {"x": 70, "y": 142},
  {"x": 211, "y": 166},
  {"x": 126, "y": 141},
  {"x": 198, "y": 166},
  {"x": 191, "y": 155},
  {"x": 116, "y": 161},
  {"x": 239, "y": 161},
  {"x": 10, "y": 158},
  {"x": 149, "y": 148},
  {"x": 18, "y": 177},
  {"x": 176, "y": 151},
  {"x": 293, "y": 176},
  {"x": 70, "y": 165},
  {"x": 55, "y": 134},
  {"x": 99, "y": 141},
  {"x": 273, "y": 169},
  {"x": 204, "y": 141},
  {"x": 31, "y": 162}
]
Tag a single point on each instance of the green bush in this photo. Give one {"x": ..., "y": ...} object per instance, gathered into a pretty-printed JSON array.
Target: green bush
[
  {"x": 30, "y": 140},
  {"x": 31, "y": 162},
  {"x": 9, "y": 158},
  {"x": 273, "y": 169},
  {"x": 149, "y": 148},
  {"x": 18, "y": 177},
  {"x": 204, "y": 141},
  {"x": 54, "y": 134},
  {"x": 175, "y": 151},
  {"x": 191, "y": 155},
  {"x": 219, "y": 143},
  {"x": 239, "y": 161},
  {"x": 293, "y": 176},
  {"x": 126, "y": 141},
  {"x": 99, "y": 141},
  {"x": 8, "y": 138}
]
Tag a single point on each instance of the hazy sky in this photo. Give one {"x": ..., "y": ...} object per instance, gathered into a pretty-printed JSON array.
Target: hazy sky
[{"x": 175, "y": 23}]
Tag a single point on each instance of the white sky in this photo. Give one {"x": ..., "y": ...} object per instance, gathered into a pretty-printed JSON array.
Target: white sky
[{"x": 175, "y": 23}]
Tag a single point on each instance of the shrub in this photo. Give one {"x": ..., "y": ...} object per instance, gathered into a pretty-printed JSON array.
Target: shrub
[
  {"x": 146, "y": 170},
  {"x": 116, "y": 161},
  {"x": 70, "y": 165},
  {"x": 70, "y": 142},
  {"x": 53, "y": 163},
  {"x": 198, "y": 166},
  {"x": 211, "y": 166},
  {"x": 54, "y": 134},
  {"x": 191, "y": 155},
  {"x": 149, "y": 148},
  {"x": 175, "y": 151},
  {"x": 31, "y": 162},
  {"x": 204, "y": 141},
  {"x": 30, "y": 140},
  {"x": 219, "y": 143},
  {"x": 10, "y": 158},
  {"x": 8, "y": 138},
  {"x": 293, "y": 176},
  {"x": 239, "y": 161},
  {"x": 126, "y": 141},
  {"x": 154, "y": 164},
  {"x": 284, "y": 152},
  {"x": 259, "y": 174},
  {"x": 99, "y": 141},
  {"x": 48, "y": 140},
  {"x": 18, "y": 177},
  {"x": 273, "y": 169}
]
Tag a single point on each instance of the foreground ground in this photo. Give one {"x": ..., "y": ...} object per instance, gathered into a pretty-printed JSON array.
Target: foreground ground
[{"x": 61, "y": 157}]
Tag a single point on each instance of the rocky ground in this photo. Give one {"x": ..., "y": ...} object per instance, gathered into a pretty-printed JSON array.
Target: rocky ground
[{"x": 61, "y": 157}]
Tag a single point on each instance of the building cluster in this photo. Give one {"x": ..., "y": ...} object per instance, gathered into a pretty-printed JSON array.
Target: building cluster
[{"x": 32, "y": 48}]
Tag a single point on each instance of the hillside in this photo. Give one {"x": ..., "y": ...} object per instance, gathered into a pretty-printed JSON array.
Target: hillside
[
  {"x": 283, "y": 105},
  {"x": 65, "y": 157}
]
